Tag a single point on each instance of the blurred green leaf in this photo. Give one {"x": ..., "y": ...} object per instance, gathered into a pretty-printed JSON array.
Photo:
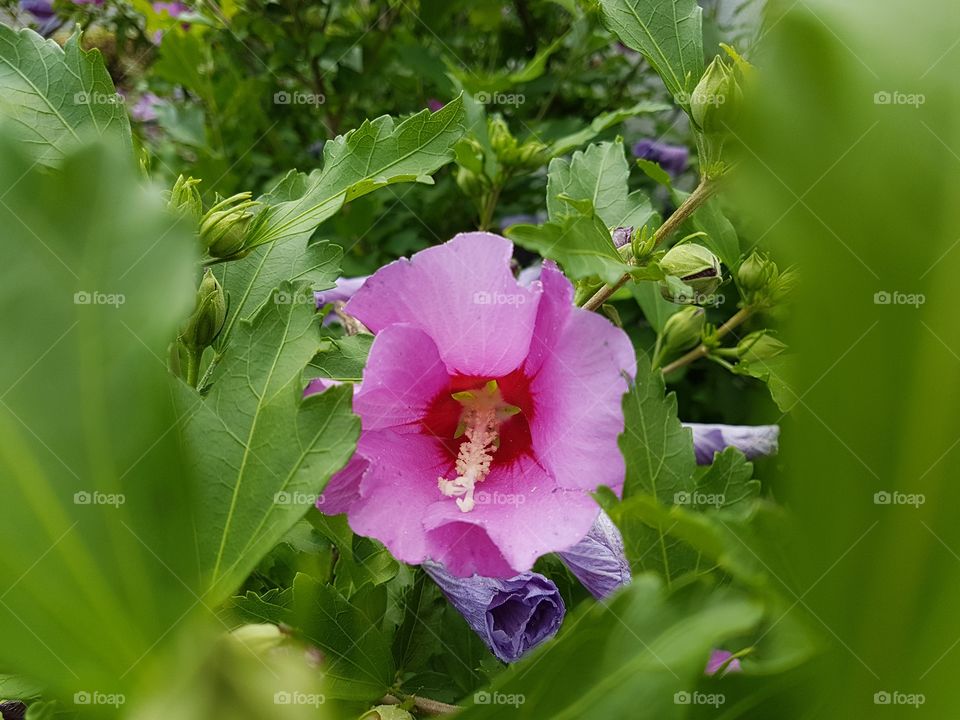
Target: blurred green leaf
[
  {"x": 98, "y": 278},
  {"x": 343, "y": 358}
]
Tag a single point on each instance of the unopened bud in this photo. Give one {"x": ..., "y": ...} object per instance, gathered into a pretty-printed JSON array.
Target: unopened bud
[
  {"x": 683, "y": 329},
  {"x": 208, "y": 316},
  {"x": 716, "y": 101},
  {"x": 185, "y": 198},
  {"x": 223, "y": 229},
  {"x": 755, "y": 273},
  {"x": 695, "y": 266}
]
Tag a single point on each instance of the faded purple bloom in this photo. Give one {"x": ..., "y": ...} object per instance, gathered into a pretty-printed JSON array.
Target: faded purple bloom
[
  {"x": 622, "y": 235},
  {"x": 433, "y": 104},
  {"x": 529, "y": 275},
  {"x": 87, "y": 2},
  {"x": 672, "y": 158},
  {"x": 318, "y": 385},
  {"x": 145, "y": 108},
  {"x": 512, "y": 616},
  {"x": 42, "y": 10},
  {"x": 716, "y": 661},
  {"x": 599, "y": 561},
  {"x": 752, "y": 440},
  {"x": 174, "y": 9}
]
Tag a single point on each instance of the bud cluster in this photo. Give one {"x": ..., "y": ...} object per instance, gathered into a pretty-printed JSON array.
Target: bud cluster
[
  {"x": 761, "y": 282},
  {"x": 224, "y": 228}
]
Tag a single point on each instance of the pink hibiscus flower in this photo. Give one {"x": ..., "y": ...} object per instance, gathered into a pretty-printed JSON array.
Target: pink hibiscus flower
[{"x": 490, "y": 411}]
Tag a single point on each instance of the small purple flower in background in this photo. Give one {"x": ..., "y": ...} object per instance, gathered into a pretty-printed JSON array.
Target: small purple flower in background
[
  {"x": 717, "y": 660},
  {"x": 145, "y": 108},
  {"x": 672, "y": 158},
  {"x": 343, "y": 290},
  {"x": 433, "y": 104},
  {"x": 752, "y": 440},
  {"x": 512, "y": 616},
  {"x": 87, "y": 2},
  {"x": 42, "y": 10},
  {"x": 173, "y": 10},
  {"x": 599, "y": 561}
]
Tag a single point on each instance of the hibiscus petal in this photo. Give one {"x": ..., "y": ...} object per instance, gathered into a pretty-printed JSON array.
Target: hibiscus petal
[
  {"x": 752, "y": 440},
  {"x": 396, "y": 491},
  {"x": 403, "y": 374},
  {"x": 522, "y": 512},
  {"x": 599, "y": 560},
  {"x": 579, "y": 362},
  {"x": 463, "y": 295},
  {"x": 344, "y": 487}
]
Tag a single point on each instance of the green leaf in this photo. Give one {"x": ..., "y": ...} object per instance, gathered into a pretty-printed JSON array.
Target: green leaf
[
  {"x": 261, "y": 452},
  {"x": 274, "y": 606},
  {"x": 54, "y": 98},
  {"x": 96, "y": 574},
  {"x": 580, "y": 242},
  {"x": 358, "y": 664},
  {"x": 362, "y": 561},
  {"x": 657, "y": 448},
  {"x": 634, "y": 651},
  {"x": 668, "y": 33},
  {"x": 598, "y": 174},
  {"x": 730, "y": 479},
  {"x": 656, "y": 173},
  {"x": 563, "y": 145},
  {"x": 376, "y": 154},
  {"x": 343, "y": 358},
  {"x": 779, "y": 375}
]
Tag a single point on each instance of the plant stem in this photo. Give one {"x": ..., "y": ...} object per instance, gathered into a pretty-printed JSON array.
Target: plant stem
[
  {"x": 703, "y": 192},
  {"x": 424, "y": 705},
  {"x": 701, "y": 350},
  {"x": 193, "y": 368}
]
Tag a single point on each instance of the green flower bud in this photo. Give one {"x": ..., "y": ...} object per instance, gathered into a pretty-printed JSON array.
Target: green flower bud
[
  {"x": 223, "y": 230},
  {"x": 471, "y": 183},
  {"x": 694, "y": 266},
  {"x": 784, "y": 285},
  {"x": 755, "y": 273},
  {"x": 208, "y": 316},
  {"x": 683, "y": 330},
  {"x": 500, "y": 138},
  {"x": 716, "y": 101},
  {"x": 185, "y": 198},
  {"x": 759, "y": 346}
]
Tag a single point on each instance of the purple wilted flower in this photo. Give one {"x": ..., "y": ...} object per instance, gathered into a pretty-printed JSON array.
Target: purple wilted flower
[
  {"x": 434, "y": 105},
  {"x": 42, "y": 10},
  {"x": 716, "y": 661},
  {"x": 342, "y": 291},
  {"x": 672, "y": 158},
  {"x": 622, "y": 235},
  {"x": 599, "y": 561},
  {"x": 752, "y": 440},
  {"x": 511, "y": 616}
]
